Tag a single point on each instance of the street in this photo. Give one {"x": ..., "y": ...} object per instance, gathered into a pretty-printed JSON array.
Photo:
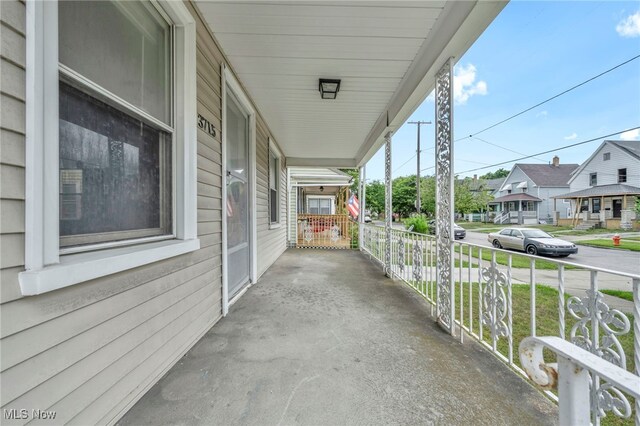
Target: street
[{"x": 616, "y": 260}]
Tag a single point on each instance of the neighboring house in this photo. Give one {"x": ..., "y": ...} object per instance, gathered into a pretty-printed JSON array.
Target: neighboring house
[
  {"x": 603, "y": 190},
  {"x": 489, "y": 186},
  {"x": 314, "y": 191},
  {"x": 486, "y": 187},
  {"x": 526, "y": 195}
]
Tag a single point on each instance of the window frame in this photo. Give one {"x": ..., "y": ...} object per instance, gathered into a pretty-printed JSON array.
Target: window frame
[
  {"x": 606, "y": 156},
  {"x": 273, "y": 150},
  {"x": 46, "y": 267},
  {"x": 593, "y": 179},
  {"x": 622, "y": 175}
]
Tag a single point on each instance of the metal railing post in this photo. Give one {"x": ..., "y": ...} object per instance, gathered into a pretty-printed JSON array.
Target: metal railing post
[
  {"x": 445, "y": 304},
  {"x": 388, "y": 206},
  {"x": 573, "y": 393}
]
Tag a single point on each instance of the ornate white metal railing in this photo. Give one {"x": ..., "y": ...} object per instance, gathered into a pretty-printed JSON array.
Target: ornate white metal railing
[{"x": 501, "y": 297}]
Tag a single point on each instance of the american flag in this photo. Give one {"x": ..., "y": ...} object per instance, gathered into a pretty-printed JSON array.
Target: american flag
[{"x": 353, "y": 206}]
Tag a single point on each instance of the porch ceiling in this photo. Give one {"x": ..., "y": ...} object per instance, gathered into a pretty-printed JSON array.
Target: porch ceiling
[{"x": 385, "y": 52}]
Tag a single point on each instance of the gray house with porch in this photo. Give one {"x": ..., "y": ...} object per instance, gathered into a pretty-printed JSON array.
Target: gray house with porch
[{"x": 526, "y": 195}]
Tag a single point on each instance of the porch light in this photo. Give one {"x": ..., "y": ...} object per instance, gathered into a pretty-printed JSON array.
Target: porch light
[
  {"x": 328, "y": 88},
  {"x": 322, "y": 189}
]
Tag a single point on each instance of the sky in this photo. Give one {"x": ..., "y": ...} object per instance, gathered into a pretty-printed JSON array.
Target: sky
[{"x": 532, "y": 51}]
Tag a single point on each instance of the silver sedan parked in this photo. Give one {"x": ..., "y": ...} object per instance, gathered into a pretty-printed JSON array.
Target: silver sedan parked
[{"x": 533, "y": 241}]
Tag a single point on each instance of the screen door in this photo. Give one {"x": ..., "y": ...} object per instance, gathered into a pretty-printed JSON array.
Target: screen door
[{"x": 237, "y": 208}]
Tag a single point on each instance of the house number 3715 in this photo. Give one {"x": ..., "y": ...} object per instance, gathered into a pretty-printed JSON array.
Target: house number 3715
[{"x": 206, "y": 125}]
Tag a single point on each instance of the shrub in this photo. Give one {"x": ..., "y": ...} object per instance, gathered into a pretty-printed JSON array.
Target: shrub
[{"x": 419, "y": 223}]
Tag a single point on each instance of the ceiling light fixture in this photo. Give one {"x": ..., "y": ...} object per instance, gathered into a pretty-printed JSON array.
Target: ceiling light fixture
[
  {"x": 322, "y": 189},
  {"x": 328, "y": 88}
]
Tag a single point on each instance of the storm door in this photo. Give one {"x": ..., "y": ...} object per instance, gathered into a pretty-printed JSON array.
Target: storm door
[{"x": 238, "y": 188}]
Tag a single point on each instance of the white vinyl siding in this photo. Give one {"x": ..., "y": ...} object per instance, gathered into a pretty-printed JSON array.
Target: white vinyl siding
[{"x": 608, "y": 169}]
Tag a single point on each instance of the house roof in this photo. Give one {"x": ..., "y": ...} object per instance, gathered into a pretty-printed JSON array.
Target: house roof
[
  {"x": 631, "y": 147},
  {"x": 487, "y": 184},
  {"x": 548, "y": 175},
  {"x": 494, "y": 184},
  {"x": 602, "y": 191},
  {"x": 515, "y": 197}
]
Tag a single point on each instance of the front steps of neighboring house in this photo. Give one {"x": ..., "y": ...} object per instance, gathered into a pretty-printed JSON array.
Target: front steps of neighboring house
[{"x": 585, "y": 225}]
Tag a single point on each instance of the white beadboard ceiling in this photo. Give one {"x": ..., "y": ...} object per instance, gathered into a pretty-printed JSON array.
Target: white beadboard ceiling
[{"x": 385, "y": 53}]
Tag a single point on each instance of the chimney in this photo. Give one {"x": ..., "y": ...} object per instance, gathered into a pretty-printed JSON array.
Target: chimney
[
  {"x": 475, "y": 178},
  {"x": 556, "y": 161}
]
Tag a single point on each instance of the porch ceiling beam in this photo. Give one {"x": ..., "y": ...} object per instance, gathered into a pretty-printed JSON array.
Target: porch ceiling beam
[
  {"x": 345, "y": 163},
  {"x": 462, "y": 24}
]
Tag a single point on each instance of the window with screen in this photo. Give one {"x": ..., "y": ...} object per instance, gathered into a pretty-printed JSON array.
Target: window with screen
[
  {"x": 274, "y": 184},
  {"x": 116, "y": 122}
]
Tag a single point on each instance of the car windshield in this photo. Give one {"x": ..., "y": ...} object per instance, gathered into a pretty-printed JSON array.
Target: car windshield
[{"x": 535, "y": 233}]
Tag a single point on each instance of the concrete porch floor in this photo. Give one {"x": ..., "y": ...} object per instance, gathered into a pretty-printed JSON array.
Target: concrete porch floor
[{"x": 325, "y": 339}]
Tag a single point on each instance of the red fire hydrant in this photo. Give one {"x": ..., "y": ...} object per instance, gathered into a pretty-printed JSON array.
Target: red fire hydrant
[{"x": 616, "y": 240}]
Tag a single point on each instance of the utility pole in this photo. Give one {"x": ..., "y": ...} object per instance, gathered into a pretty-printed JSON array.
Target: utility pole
[{"x": 418, "y": 202}]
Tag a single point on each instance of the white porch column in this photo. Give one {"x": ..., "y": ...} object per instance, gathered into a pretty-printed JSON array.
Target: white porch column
[
  {"x": 363, "y": 203},
  {"x": 444, "y": 196},
  {"x": 388, "y": 207}
]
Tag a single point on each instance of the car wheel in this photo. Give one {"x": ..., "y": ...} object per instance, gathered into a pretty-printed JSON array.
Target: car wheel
[
  {"x": 532, "y": 250},
  {"x": 497, "y": 244}
]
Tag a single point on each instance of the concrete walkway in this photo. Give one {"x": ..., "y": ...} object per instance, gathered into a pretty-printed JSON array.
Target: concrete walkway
[{"x": 325, "y": 339}]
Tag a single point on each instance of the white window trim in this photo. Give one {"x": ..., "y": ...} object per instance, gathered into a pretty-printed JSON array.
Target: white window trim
[
  {"x": 229, "y": 80},
  {"x": 331, "y": 198},
  {"x": 45, "y": 268},
  {"x": 273, "y": 148}
]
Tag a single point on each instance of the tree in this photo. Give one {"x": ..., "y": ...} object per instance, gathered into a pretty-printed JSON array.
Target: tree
[
  {"x": 355, "y": 180},
  {"x": 464, "y": 199},
  {"x": 375, "y": 197},
  {"x": 404, "y": 195},
  {"x": 500, "y": 173},
  {"x": 428, "y": 195}
]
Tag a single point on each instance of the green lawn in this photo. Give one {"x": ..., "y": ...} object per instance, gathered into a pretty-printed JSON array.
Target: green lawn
[
  {"x": 625, "y": 243},
  {"x": 547, "y": 324},
  {"x": 476, "y": 225},
  {"x": 626, "y": 295}
]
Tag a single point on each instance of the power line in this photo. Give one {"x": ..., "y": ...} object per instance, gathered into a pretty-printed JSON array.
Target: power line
[
  {"x": 551, "y": 98},
  {"x": 403, "y": 164},
  {"x": 506, "y": 149},
  {"x": 550, "y": 151}
]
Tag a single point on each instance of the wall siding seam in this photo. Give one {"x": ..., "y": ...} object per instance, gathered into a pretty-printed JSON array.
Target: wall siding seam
[
  {"x": 115, "y": 414},
  {"x": 18, "y": 31}
]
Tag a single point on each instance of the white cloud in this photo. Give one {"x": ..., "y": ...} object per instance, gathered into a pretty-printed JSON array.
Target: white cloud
[
  {"x": 464, "y": 84},
  {"x": 542, "y": 113},
  {"x": 629, "y": 26},
  {"x": 571, "y": 137},
  {"x": 631, "y": 135}
]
